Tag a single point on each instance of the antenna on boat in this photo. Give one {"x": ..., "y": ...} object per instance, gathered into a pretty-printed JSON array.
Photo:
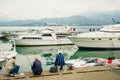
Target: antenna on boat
[{"x": 14, "y": 45}]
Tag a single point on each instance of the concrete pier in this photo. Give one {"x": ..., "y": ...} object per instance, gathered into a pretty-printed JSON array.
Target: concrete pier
[{"x": 109, "y": 72}]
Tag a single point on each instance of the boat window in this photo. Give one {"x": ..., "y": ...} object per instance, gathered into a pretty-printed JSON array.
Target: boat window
[
  {"x": 24, "y": 37},
  {"x": 93, "y": 39},
  {"x": 110, "y": 39},
  {"x": 39, "y": 38},
  {"x": 46, "y": 34},
  {"x": 31, "y": 38},
  {"x": 99, "y": 38}
]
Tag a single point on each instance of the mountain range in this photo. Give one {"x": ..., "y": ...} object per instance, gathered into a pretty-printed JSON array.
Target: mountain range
[{"x": 93, "y": 19}]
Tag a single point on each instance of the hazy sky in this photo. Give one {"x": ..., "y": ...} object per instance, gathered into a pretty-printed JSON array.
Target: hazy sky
[{"x": 37, "y": 9}]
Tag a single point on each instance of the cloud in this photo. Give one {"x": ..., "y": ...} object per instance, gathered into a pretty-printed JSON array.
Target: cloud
[{"x": 37, "y": 9}]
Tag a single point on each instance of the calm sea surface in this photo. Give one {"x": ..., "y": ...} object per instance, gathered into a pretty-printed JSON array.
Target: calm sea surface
[{"x": 47, "y": 55}]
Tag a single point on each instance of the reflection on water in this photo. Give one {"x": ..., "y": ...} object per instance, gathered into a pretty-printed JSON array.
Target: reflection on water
[
  {"x": 67, "y": 50},
  {"x": 46, "y": 54},
  {"x": 96, "y": 53}
]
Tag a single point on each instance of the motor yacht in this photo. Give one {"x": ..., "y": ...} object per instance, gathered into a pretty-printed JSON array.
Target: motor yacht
[
  {"x": 107, "y": 37},
  {"x": 44, "y": 38}
]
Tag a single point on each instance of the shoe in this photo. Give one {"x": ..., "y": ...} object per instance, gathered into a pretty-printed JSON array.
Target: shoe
[
  {"x": 17, "y": 75},
  {"x": 21, "y": 74},
  {"x": 11, "y": 75}
]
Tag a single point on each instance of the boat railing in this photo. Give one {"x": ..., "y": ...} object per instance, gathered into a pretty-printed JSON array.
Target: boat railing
[{"x": 13, "y": 48}]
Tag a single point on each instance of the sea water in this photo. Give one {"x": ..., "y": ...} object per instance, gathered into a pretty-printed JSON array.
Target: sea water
[{"x": 47, "y": 54}]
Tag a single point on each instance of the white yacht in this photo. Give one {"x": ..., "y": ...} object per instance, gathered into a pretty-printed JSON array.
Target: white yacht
[
  {"x": 45, "y": 37},
  {"x": 107, "y": 37},
  {"x": 7, "y": 51}
]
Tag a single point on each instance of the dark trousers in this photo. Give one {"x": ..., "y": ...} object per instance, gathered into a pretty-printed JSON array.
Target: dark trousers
[
  {"x": 15, "y": 69},
  {"x": 36, "y": 72},
  {"x": 61, "y": 68}
]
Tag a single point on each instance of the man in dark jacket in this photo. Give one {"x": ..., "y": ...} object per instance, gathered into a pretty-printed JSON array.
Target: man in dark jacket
[
  {"x": 60, "y": 60},
  {"x": 37, "y": 67}
]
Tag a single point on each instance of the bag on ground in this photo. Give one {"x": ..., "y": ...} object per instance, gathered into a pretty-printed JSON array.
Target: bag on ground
[{"x": 53, "y": 69}]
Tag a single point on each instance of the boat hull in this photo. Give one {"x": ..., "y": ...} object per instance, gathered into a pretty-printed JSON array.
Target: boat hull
[
  {"x": 2, "y": 63},
  {"x": 31, "y": 42},
  {"x": 103, "y": 43}
]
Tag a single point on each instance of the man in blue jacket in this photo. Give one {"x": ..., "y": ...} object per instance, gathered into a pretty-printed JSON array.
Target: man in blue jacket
[
  {"x": 37, "y": 67},
  {"x": 59, "y": 61}
]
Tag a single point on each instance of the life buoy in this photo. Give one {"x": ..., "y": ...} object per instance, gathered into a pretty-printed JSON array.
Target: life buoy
[{"x": 109, "y": 61}]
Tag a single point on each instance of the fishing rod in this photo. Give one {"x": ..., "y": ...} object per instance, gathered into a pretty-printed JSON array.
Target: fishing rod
[{"x": 28, "y": 60}]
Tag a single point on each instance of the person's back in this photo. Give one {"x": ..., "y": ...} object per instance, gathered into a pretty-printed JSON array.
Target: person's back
[
  {"x": 60, "y": 61},
  {"x": 37, "y": 67},
  {"x": 11, "y": 67}
]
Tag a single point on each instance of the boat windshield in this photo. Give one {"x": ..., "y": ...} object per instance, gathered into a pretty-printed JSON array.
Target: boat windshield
[
  {"x": 46, "y": 35},
  {"x": 88, "y": 59}
]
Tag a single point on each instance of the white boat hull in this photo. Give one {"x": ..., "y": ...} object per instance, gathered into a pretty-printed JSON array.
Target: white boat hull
[
  {"x": 96, "y": 42},
  {"x": 32, "y": 42}
]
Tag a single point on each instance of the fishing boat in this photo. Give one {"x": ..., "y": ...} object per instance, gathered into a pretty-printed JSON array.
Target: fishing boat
[
  {"x": 107, "y": 38},
  {"x": 44, "y": 38},
  {"x": 91, "y": 61},
  {"x": 7, "y": 51}
]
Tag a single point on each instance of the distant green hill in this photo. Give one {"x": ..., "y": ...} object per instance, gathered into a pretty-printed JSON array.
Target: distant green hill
[{"x": 97, "y": 18}]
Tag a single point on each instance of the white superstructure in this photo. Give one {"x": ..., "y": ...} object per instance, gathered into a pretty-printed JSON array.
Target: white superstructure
[
  {"x": 107, "y": 37},
  {"x": 45, "y": 37}
]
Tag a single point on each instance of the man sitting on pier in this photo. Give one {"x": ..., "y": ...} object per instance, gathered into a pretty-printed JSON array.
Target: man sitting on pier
[
  {"x": 37, "y": 67},
  {"x": 11, "y": 67}
]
